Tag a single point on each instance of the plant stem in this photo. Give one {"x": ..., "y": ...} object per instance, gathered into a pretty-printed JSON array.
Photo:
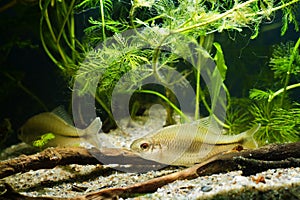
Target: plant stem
[
  {"x": 131, "y": 15},
  {"x": 72, "y": 37},
  {"x": 98, "y": 99},
  {"x": 46, "y": 48},
  {"x": 278, "y": 92},
  {"x": 155, "y": 60},
  {"x": 211, "y": 113},
  {"x": 102, "y": 20},
  {"x": 239, "y": 6},
  {"x": 66, "y": 18},
  {"x": 214, "y": 17},
  {"x": 185, "y": 118},
  {"x": 273, "y": 9},
  {"x": 288, "y": 74},
  {"x": 45, "y": 17},
  {"x": 198, "y": 88}
]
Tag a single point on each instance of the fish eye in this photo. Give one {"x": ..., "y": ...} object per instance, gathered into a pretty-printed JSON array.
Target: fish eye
[{"x": 144, "y": 146}]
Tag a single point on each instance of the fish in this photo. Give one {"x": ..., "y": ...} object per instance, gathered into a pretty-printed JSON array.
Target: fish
[
  {"x": 61, "y": 126},
  {"x": 190, "y": 143}
]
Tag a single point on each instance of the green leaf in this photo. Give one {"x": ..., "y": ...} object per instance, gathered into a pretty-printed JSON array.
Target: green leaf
[
  {"x": 220, "y": 61},
  {"x": 256, "y": 32},
  {"x": 45, "y": 138}
]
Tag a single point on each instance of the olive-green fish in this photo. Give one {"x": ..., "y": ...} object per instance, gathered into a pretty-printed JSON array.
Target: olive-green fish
[
  {"x": 57, "y": 123},
  {"x": 189, "y": 143}
]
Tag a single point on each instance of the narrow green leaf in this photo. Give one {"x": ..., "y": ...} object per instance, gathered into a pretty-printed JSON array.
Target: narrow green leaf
[{"x": 220, "y": 61}]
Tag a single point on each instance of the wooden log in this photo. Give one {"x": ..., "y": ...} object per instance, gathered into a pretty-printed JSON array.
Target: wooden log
[
  {"x": 274, "y": 156},
  {"x": 51, "y": 157},
  {"x": 249, "y": 161},
  {"x": 254, "y": 160}
]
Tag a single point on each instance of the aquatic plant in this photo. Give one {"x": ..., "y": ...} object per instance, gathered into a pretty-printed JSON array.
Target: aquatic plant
[
  {"x": 191, "y": 22},
  {"x": 45, "y": 138},
  {"x": 279, "y": 114},
  {"x": 57, "y": 33}
]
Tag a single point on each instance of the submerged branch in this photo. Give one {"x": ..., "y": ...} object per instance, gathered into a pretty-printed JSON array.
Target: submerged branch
[
  {"x": 257, "y": 160},
  {"x": 52, "y": 157},
  {"x": 249, "y": 161}
]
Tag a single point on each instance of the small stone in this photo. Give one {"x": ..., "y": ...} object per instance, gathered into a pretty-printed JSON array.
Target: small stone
[
  {"x": 258, "y": 179},
  {"x": 241, "y": 180},
  {"x": 206, "y": 188}
]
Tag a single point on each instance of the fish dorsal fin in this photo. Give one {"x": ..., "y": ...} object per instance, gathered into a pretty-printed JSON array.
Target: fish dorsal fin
[
  {"x": 62, "y": 113},
  {"x": 203, "y": 121},
  {"x": 208, "y": 123}
]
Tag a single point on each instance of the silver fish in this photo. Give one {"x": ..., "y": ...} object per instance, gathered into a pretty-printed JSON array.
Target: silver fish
[
  {"x": 65, "y": 133},
  {"x": 189, "y": 143}
]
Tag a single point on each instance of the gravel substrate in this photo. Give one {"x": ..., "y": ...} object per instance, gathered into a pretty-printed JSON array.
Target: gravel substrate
[
  {"x": 74, "y": 180},
  {"x": 271, "y": 184}
]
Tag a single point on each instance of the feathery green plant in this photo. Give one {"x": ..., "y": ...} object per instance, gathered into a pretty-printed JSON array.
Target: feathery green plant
[
  {"x": 195, "y": 20},
  {"x": 279, "y": 117}
]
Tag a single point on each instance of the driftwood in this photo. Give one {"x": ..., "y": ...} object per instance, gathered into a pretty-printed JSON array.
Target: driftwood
[
  {"x": 51, "y": 157},
  {"x": 249, "y": 161},
  {"x": 280, "y": 155}
]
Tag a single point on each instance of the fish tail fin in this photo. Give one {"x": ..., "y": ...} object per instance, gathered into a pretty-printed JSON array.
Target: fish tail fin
[
  {"x": 249, "y": 141},
  {"x": 92, "y": 130}
]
